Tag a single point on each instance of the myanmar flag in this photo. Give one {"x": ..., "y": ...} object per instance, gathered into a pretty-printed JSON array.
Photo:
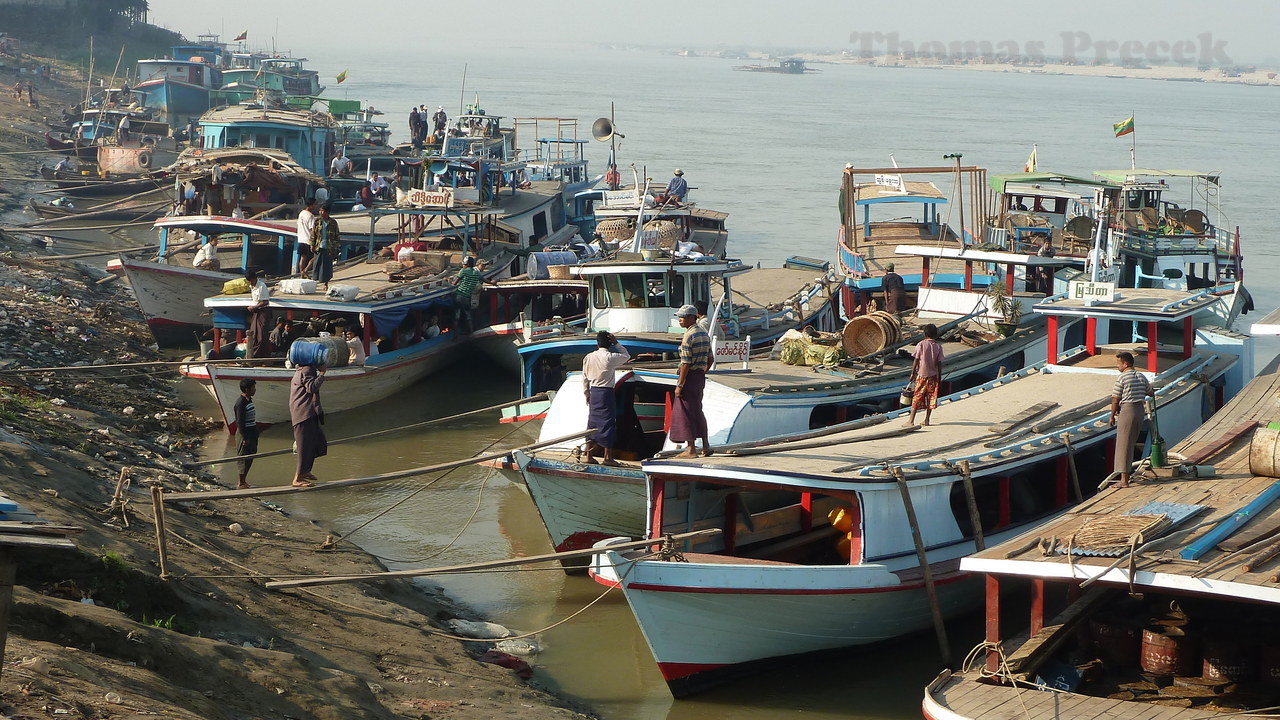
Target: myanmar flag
[
  {"x": 1030, "y": 165},
  {"x": 343, "y": 76},
  {"x": 241, "y": 36},
  {"x": 1123, "y": 128}
]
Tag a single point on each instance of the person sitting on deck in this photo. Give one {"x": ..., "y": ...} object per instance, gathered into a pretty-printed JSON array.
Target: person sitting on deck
[
  {"x": 281, "y": 336},
  {"x": 378, "y": 185},
  {"x": 207, "y": 256},
  {"x": 356, "y": 345},
  {"x": 341, "y": 165},
  {"x": 432, "y": 330},
  {"x": 64, "y": 165},
  {"x": 676, "y": 190}
]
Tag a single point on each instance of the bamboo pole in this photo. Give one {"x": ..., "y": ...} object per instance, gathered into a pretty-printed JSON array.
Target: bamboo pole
[
  {"x": 95, "y": 253},
  {"x": 789, "y": 445},
  {"x": 353, "y": 482},
  {"x": 939, "y": 625},
  {"x": 1071, "y": 466},
  {"x": 402, "y": 428},
  {"x": 157, "y": 509},
  {"x": 149, "y": 363},
  {"x": 510, "y": 562}
]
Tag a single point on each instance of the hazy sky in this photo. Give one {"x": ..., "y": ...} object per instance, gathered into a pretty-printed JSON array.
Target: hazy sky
[{"x": 1239, "y": 30}]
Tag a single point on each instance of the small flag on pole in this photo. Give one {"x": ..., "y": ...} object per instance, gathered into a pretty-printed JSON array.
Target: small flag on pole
[
  {"x": 342, "y": 76},
  {"x": 242, "y": 36},
  {"x": 1030, "y": 167},
  {"x": 1123, "y": 128}
]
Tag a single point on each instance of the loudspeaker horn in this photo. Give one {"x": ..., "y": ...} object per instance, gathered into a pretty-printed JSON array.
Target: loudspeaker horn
[
  {"x": 603, "y": 129},
  {"x": 438, "y": 167}
]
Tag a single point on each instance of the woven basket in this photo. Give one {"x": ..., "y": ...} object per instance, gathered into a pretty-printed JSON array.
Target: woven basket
[
  {"x": 616, "y": 229},
  {"x": 558, "y": 272},
  {"x": 668, "y": 232},
  {"x": 864, "y": 335}
]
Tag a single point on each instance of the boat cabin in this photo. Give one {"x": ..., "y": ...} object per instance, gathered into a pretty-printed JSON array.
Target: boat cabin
[
  {"x": 1031, "y": 205},
  {"x": 642, "y": 297},
  {"x": 1026, "y": 279},
  {"x": 307, "y": 136},
  {"x": 478, "y": 135}
]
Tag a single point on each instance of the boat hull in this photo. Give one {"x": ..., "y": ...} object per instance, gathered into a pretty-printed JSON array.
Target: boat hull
[
  {"x": 706, "y": 622},
  {"x": 172, "y": 297},
  {"x": 344, "y": 388}
]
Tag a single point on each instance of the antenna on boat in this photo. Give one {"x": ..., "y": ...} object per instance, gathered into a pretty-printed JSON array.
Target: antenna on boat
[{"x": 462, "y": 95}]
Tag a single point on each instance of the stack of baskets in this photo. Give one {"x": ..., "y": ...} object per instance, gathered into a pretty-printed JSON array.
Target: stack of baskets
[
  {"x": 869, "y": 334},
  {"x": 668, "y": 232}
]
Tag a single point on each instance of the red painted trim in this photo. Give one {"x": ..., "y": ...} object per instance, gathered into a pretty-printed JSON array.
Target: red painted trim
[
  {"x": 1037, "y": 605},
  {"x": 1008, "y": 278},
  {"x": 703, "y": 590},
  {"x": 675, "y": 671},
  {"x": 165, "y": 322},
  {"x": 523, "y": 418},
  {"x": 993, "y": 620},
  {"x": 658, "y": 493},
  {"x": 1188, "y": 336},
  {"x": 1153, "y": 354},
  {"x": 1052, "y": 351},
  {"x": 924, "y": 272},
  {"x": 806, "y": 511},
  {"x": 968, "y": 275},
  {"x": 1091, "y": 335}
]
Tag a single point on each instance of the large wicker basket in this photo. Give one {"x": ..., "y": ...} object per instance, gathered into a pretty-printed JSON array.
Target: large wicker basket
[
  {"x": 616, "y": 228},
  {"x": 869, "y": 334},
  {"x": 558, "y": 272}
]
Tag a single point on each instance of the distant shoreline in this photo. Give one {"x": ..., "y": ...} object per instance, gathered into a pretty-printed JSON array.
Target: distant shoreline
[{"x": 1169, "y": 73}]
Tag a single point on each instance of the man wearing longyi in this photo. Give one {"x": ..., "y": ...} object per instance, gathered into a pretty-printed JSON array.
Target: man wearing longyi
[{"x": 598, "y": 381}]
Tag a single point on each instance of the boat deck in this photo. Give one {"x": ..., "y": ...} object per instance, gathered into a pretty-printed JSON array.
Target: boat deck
[
  {"x": 966, "y": 697},
  {"x": 1223, "y": 442},
  {"x": 957, "y": 429},
  {"x": 526, "y": 199}
]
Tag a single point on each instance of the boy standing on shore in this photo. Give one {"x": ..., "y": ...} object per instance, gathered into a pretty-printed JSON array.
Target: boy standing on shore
[{"x": 247, "y": 422}]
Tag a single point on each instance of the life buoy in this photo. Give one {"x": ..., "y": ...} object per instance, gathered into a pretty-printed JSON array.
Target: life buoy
[{"x": 144, "y": 160}]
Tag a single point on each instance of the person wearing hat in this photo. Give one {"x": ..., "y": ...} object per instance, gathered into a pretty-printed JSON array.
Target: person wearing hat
[
  {"x": 440, "y": 119},
  {"x": 467, "y": 280},
  {"x": 602, "y": 402},
  {"x": 676, "y": 190},
  {"x": 895, "y": 290},
  {"x": 688, "y": 422}
]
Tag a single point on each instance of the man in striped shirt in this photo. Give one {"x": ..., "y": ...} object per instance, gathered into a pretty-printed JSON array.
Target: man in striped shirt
[
  {"x": 467, "y": 280},
  {"x": 1127, "y": 400},
  {"x": 247, "y": 424},
  {"x": 688, "y": 422}
]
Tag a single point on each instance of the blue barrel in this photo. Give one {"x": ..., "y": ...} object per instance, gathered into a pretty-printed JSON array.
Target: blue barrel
[
  {"x": 306, "y": 351},
  {"x": 540, "y": 261}
]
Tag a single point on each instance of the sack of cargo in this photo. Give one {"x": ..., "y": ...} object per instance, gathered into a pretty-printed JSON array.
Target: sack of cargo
[
  {"x": 794, "y": 351},
  {"x": 816, "y": 354},
  {"x": 239, "y": 286},
  {"x": 343, "y": 292},
  {"x": 297, "y": 286},
  {"x": 329, "y": 351}
]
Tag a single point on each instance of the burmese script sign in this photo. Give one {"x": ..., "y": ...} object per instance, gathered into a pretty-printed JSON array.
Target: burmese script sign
[
  {"x": 1087, "y": 290},
  {"x": 442, "y": 198}
]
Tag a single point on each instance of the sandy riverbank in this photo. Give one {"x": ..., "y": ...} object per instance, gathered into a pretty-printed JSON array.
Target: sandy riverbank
[{"x": 95, "y": 632}]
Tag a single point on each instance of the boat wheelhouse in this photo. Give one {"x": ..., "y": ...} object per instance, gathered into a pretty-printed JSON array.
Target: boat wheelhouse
[
  {"x": 308, "y": 137},
  {"x": 841, "y": 540},
  {"x": 556, "y": 152},
  {"x": 615, "y": 214},
  {"x": 866, "y": 244},
  {"x": 283, "y": 75},
  {"x": 179, "y": 86}
]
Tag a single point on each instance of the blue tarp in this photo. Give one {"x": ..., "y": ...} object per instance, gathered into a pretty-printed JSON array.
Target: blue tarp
[{"x": 386, "y": 322}]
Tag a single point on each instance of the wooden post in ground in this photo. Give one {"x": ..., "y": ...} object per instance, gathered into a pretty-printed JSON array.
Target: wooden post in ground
[
  {"x": 157, "y": 508},
  {"x": 938, "y": 624},
  {"x": 8, "y": 569}
]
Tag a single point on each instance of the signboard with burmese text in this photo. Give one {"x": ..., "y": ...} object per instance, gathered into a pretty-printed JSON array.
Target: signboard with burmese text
[
  {"x": 442, "y": 198},
  {"x": 1088, "y": 290}
]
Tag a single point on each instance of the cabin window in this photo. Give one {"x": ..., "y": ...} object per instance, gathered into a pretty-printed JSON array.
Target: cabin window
[
  {"x": 636, "y": 290},
  {"x": 539, "y": 226},
  {"x": 279, "y": 142},
  {"x": 262, "y": 141},
  {"x": 675, "y": 293}
]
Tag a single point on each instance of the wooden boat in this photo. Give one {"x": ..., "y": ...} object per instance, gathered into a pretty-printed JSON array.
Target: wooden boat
[
  {"x": 787, "y": 66},
  {"x": 171, "y": 292},
  {"x": 1164, "y": 612},
  {"x": 81, "y": 185},
  {"x": 773, "y": 398},
  {"x": 386, "y": 305},
  {"x": 780, "y": 580},
  {"x": 125, "y": 212}
]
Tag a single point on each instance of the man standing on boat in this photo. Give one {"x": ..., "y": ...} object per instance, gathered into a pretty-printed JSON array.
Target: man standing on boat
[
  {"x": 414, "y": 128},
  {"x": 895, "y": 291},
  {"x": 306, "y": 227},
  {"x": 259, "y": 339},
  {"x": 440, "y": 119},
  {"x": 926, "y": 373},
  {"x": 1127, "y": 400},
  {"x": 688, "y": 422},
  {"x": 598, "y": 382},
  {"x": 467, "y": 280},
  {"x": 325, "y": 242}
]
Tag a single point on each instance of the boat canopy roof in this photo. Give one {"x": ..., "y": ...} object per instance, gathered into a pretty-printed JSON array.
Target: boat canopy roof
[
  {"x": 261, "y": 114},
  {"x": 919, "y": 191},
  {"x": 620, "y": 267},
  {"x": 216, "y": 225},
  {"x": 998, "y": 182},
  {"x": 1133, "y": 304},
  {"x": 1132, "y": 175},
  {"x": 198, "y": 162},
  {"x": 983, "y": 256}
]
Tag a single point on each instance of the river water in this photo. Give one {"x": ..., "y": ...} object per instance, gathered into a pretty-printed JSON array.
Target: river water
[{"x": 769, "y": 150}]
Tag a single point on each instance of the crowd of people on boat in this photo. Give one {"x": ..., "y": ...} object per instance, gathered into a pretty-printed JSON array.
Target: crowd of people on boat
[{"x": 423, "y": 125}]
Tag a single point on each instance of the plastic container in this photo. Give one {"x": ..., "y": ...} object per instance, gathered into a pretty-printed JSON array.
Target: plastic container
[
  {"x": 328, "y": 351},
  {"x": 540, "y": 261}
]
